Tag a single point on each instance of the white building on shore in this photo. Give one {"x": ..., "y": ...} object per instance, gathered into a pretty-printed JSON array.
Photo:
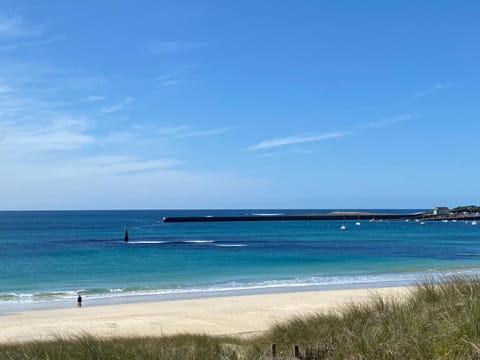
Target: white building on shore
[{"x": 441, "y": 210}]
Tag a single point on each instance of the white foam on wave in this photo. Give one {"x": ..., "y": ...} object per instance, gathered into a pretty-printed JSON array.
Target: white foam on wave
[
  {"x": 171, "y": 241},
  {"x": 148, "y": 242},
  {"x": 199, "y": 241},
  {"x": 230, "y": 245},
  {"x": 267, "y": 214},
  {"x": 40, "y": 297}
]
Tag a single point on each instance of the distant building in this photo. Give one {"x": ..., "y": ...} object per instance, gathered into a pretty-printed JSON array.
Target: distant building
[{"x": 441, "y": 210}]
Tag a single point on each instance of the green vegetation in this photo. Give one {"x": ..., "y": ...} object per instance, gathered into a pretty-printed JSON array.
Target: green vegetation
[
  {"x": 186, "y": 346},
  {"x": 438, "y": 321},
  {"x": 468, "y": 209}
]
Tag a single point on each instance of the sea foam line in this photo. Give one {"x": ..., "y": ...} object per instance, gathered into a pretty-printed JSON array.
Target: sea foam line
[
  {"x": 199, "y": 241},
  {"x": 148, "y": 242},
  {"x": 171, "y": 242},
  {"x": 230, "y": 245},
  {"x": 235, "y": 286},
  {"x": 267, "y": 214}
]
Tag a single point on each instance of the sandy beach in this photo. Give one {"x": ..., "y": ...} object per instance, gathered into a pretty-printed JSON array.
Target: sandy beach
[{"x": 245, "y": 314}]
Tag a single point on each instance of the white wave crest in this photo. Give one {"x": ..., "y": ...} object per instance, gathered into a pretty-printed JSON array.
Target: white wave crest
[
  {"x": 199, "y": 241},
  {"x": 230, "y": 245},
  {"x": 148, "y": 242},
  {"x": 267, "y": 214}
]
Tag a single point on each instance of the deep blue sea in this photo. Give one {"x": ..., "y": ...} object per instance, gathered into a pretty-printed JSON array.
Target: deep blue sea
[{"x": 49, "y": 256}]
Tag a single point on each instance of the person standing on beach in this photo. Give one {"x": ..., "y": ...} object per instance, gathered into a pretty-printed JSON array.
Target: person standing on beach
[{"x": 79, "y": 300}]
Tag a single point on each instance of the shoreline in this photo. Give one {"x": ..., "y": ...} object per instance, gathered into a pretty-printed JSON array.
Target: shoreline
[
  {"x": 371, "y": 281},
  {"x": 219, "y": 315},
  {"x": 8, "y": 308}
]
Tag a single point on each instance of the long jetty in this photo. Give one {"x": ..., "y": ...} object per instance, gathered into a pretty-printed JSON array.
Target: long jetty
[{"x": 296, "y": 217}]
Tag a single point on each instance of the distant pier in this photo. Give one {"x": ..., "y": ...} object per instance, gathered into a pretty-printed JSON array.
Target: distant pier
[
  {"x": 424, "y": 216},
  {"x": 294, "y": 217}
]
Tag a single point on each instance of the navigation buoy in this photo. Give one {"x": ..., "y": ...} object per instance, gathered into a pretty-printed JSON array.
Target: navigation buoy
[{"x": 125, "y": 238}]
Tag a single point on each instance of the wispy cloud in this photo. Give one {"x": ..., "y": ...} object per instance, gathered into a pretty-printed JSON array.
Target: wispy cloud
[
  {"x": 182, "y": 132},
  {"x": 290, "y": 150},
  {"x": 5, "y": 89},
  {"x": 174, "y": 78},
  {"x": 37, "y": 135},
  {"x": 110, "y": 165},
  {"x": 123, "y": 136},
  {"x": 14, "y": 26},
  {"x": 170, "y": 83},
  {"x": 46, "y": 142},
  {"x": 139, "y": 166},
  {"x": 387, "y": 122},
  {"x": 200, "y": 133},
  {"x": 297, "y": 139},
  {"x": 175, "y": 74},
  {"x": 174, "y": 46},
  {"x": 143, "y": 134},
  {"x": 117, "y": 107},
  {"x": 94, "y": 98},
  {"x": 58, "y": 134},
  {"x": 173, "y": 130},
  {"x": 27, "y": 44},
  {"x": 51, "y": 142},
  {"x": 430, "y": 90},
  {"x": 10, "y": 25},
  {"x": 15, "y": 107}
]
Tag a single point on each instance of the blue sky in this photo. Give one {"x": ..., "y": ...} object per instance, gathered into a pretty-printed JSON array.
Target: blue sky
[{"x": 239, "y": 104}]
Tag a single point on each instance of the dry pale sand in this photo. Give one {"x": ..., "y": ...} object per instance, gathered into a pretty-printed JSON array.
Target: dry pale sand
[{"x": 219, "y": 315}]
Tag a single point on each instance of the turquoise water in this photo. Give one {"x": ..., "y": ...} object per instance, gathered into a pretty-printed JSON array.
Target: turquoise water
[{"x": 47, "y": 256}]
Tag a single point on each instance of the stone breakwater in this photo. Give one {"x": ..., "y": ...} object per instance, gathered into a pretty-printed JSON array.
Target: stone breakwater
[
  {"x": 424, "y": 216},
  {"x": 297, "y": 217}
]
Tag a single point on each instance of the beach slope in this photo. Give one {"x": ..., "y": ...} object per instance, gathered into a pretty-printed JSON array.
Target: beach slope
[{"x": 246, "y": 314}]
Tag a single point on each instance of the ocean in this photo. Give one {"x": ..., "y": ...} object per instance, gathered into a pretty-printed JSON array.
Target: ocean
[{"x": 47, "y": 257}]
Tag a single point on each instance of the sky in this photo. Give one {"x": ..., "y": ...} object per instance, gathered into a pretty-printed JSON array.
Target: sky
[{"x": 239, "y": 104}]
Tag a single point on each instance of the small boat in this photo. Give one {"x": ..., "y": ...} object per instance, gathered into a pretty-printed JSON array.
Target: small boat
[
  {"x": 358, "y": 223},
  {"x": 343, "y": 227},
  {"x": 422, "y": 222},
  {"x": 407, "y": 220},
  {"x": 454, "y": 220},
  {"x": 474, "y": 222},
  {"x": 445, "y": 221},
  {"x": 372, "y": 220}
]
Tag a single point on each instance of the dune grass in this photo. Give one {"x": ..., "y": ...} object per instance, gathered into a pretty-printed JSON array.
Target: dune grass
[
  {"x": 86, "y": 347},
  {"x": 437, "y": 321}
]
